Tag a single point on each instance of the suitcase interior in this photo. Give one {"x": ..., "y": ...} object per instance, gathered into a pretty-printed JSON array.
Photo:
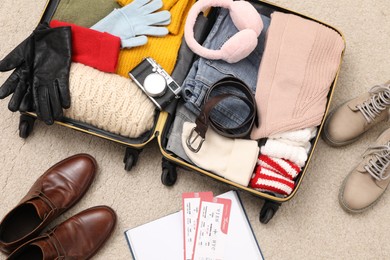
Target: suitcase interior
[
  {"x": 164, "y": 120},
  {"x": 136, "y": 143},
  {"x": 173, "y": 160}
]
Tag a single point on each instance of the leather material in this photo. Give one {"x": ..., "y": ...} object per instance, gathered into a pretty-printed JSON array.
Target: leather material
[
  {"x": 40, "y": 80},
  {"x": 58, "y": 189},
  {"x": 211, "y": 101},
  {"x": 53, "y": 53},
  {"x": 19, "y": 82},
  {"x": 79, "y": 237},
  {"x": 346, "y": 123},
  {"x": 360, "y": 190}
]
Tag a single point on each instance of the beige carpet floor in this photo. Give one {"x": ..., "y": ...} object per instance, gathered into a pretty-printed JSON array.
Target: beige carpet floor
[{"x": 310, "y": 226}]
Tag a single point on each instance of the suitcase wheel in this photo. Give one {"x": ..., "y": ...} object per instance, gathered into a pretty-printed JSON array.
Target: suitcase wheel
[
  {"x": 131, "y": 158},
  {"x": 129, "y": 163},
  {"x": 169, "y": 173},
  {"x": 26, "y": 125},
  {"x": 268, "y": 211}
]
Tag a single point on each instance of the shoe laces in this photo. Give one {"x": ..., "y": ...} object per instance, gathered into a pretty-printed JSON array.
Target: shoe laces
[
  {"x": 379, "y": 101},
  {"x": 377, "y": 166}
]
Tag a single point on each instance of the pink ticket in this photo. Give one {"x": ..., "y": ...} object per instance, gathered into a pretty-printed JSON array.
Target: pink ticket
[
  {"x": 191, "y": 204},
  {"x": 212, "y": 229}
]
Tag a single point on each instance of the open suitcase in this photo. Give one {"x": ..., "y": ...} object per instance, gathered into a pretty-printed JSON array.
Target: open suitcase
[
  {"x": 133, "y": 146},
  {"x": 272, "y": 201},
  {"x": 163, "y": 122}
]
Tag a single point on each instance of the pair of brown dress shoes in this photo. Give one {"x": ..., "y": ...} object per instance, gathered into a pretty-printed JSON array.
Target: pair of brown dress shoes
[{"x": 57, "y": 190}]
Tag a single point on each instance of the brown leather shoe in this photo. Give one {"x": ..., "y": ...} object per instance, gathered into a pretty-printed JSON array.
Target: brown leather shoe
[
  {"x": 58, "y": 189},
  {"x": 79, "y": 237}
]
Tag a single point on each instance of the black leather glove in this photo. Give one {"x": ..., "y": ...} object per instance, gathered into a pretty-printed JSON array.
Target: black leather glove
[
  {"x": 53, "y": 51},
  {"x": 19, "y": 82}
]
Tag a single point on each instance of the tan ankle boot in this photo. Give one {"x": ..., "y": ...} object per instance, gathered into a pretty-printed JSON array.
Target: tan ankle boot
[
  {"x": 366, "y": 183},
  {"x": 348, "y": 122}
]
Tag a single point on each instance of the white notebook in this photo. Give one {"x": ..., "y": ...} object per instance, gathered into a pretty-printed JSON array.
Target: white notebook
[{"x": 163, "y": 238}]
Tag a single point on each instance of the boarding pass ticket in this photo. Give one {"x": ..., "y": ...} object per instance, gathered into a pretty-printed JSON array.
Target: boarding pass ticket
[
  {"x": 212, "y": 229},
  {"x": 191, "y": 204}
]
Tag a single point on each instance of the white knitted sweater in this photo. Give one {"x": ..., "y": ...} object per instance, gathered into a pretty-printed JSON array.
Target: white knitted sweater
[{"x": 109, "y": 102}]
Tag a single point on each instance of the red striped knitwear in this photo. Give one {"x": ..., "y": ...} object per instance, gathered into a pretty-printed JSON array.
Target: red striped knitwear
[
  {"x": 266, "y": 180},
  {"x": 284, "y": 167}
]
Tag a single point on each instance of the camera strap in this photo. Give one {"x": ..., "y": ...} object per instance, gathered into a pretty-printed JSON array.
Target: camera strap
[{"x": 204, "y": 120}]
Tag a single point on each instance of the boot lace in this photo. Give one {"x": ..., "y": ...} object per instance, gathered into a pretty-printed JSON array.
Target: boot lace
[
  {"x": 379, "y": 101},
  {"x": 377, "y": 166}
]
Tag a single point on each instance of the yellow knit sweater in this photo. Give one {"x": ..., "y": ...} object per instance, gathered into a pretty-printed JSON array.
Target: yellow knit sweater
[{"x": 163, "y": 49}]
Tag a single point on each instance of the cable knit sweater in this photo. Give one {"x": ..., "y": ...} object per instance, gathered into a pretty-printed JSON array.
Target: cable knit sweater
[{"x": 108, "y": 102}]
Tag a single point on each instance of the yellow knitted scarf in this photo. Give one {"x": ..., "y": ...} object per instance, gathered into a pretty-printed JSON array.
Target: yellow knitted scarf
[{"x": 163, "y": 49}]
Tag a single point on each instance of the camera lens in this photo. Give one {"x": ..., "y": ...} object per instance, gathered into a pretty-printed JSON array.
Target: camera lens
[{"x": 155, "y": 85}]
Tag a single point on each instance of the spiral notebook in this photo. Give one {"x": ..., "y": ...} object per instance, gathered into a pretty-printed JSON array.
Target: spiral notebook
[{"x": 163, "y": 238}]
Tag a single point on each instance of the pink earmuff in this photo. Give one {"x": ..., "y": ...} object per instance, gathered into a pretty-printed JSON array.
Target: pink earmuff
[{"x": 245, "y": 18}]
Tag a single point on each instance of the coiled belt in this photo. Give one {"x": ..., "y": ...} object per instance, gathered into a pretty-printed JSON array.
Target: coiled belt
[{"x": 204, "y": 120}]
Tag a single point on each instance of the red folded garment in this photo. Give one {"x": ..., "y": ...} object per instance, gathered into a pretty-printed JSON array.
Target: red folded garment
[
  {"x": 267, "y": 180},
  {"x": 92, "y": 48},
  {"x": 284, "y": 167}
]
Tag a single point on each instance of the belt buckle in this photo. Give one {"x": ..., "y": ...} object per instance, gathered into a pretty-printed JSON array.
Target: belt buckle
[{"x": 191, "y": 139}]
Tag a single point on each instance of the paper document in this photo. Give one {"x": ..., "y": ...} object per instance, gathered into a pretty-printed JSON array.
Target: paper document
[{"x": 162, "y": 239}]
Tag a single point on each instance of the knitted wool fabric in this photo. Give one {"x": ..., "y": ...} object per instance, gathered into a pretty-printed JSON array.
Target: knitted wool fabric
[
  {"x": 175, "y": 7},
  {"x": 280, "y": 149},
  {"x": 163, "y": 49},
  {"x": 299, "y": 64},
  {"x": 284, "y": 167},
  {"x": 299, "y": 137},
  {"x": 93, "y": 48},
  {"x": 84, "y": 12},
  {"x": 108, "y": 102},
  {"x": 266, "y": 180}
]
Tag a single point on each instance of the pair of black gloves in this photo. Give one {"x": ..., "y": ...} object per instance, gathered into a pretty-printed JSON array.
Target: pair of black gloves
[{"x": 40, "y": 80}]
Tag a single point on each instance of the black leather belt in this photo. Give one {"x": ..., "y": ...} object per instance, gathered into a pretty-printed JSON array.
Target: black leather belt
[{"x": 204, "y": 120}]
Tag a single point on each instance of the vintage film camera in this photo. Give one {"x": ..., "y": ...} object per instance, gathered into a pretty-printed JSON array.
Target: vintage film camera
[{"x": 155, "y": 82}]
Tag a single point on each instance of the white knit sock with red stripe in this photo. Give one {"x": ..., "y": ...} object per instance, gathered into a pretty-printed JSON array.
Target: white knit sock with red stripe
[
  {"x": 267, "y": 180},
  {"x": 284, "y": 167}
]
